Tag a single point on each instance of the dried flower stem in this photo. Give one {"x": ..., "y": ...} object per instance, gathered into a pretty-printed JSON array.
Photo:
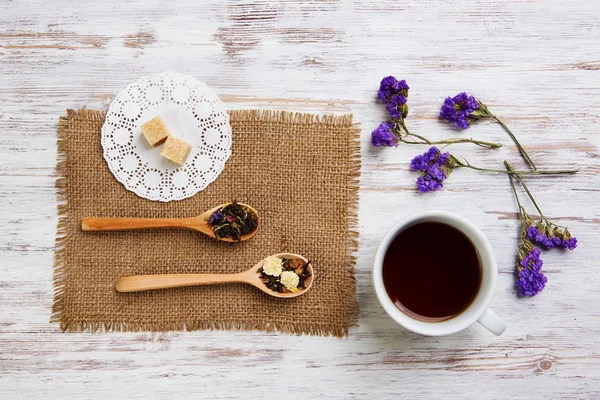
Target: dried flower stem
[
  {"x": 424, "y": 140},
  {"x": 511, "y": 169},
  {"x": 518, "y": 174},
  {"x": 524, "y": 185},
  {"x": 486, "y": 113},
  {"x": 514, "y": 138},
  {"x": 514, "y": 188},
  {"x": 522, "y": 212}
]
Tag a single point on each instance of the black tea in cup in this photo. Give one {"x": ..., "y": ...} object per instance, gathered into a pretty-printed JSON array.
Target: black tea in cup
[{"x": 432, "y": 271}]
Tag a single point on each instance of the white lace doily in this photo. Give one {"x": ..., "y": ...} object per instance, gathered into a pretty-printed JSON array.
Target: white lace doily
[{"x": 191, "y": 111}]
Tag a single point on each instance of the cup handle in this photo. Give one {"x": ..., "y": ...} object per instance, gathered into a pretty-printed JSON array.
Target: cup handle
[{"x": 492, "y": 322}]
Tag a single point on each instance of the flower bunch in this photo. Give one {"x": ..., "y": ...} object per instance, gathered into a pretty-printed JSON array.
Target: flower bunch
[
  {"x": 383, "y": 135},
  {"x": 394, "y": 94},
  {"x": 549, "y": 236},
  {"x": 530, "y": 280},
  {"x": 463, "y": 109},
  {"x": 436, "y": 167},
  {"x": 460, "y": 110}
]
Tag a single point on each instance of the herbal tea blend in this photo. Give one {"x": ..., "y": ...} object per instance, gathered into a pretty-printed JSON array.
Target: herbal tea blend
[
  {"x": 284, "y": 275},
  {"x": 233, "y": 221}
]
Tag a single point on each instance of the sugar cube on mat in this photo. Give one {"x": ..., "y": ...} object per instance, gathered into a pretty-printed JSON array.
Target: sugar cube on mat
[
  {"x": 155, "y": 131},
  {"x": 175, "y": 150}
]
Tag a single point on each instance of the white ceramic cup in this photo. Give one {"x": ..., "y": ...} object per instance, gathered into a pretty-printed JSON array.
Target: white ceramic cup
[{"x": 477, "y": 311}]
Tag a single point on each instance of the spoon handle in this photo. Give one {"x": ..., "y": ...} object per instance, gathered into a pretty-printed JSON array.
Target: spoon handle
[
  {"x": 150, "y": 282},
  {"x": 120, "y": 224}
]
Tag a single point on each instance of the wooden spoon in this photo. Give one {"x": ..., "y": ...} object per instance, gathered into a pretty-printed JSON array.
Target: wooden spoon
[
  {"x": 252, "y": 276},
  {"x": 199, "y": 223}
]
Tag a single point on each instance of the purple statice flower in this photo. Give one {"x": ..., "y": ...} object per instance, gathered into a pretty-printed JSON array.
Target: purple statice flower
[
  {"x": 432, "y": 153},
  {"x": 383, "y": 135},
  {"x": 422, "y": 161},
  {"x": 554, "y": 237},
  {"x": 393, "y": 111},
  {"x": 551, "y": 239},
  {"x": 471, "y": 103},
  {"x": 459, "y": 98},
  {"x": 459, "y": 109},
  {"x": 216, "y": 218},
  {"x": 530, "y": 282},
  {"x": 567, "y": 241},
  {"x": 426, "y": 184},
  {"x": 536, "y": 236},
  {"x": 532, "y": 259},
  {"x": 395, "y": 106},
  {"x": 443, "y": 158},
  {"x": 570, "y": 243},
  {"x": 386, "y": 88},
  {"x": 436, "y": 166},
  {"x": 419, "y": 163},
  {"x": 530, "y": 279},
  {"x": 389, "y": 87},
  {"x": 401, "y": 86},
  {"x": 436, "y": 172}
]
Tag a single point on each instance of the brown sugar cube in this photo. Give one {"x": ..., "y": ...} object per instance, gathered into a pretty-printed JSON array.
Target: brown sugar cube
[
  {"x": 155, "y": 131},
  {"x": 175, "y": 150}
]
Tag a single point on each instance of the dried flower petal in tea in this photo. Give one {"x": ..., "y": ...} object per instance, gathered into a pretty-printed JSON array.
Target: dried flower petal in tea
[
  {"x": 288, "y": 280},
  {"x": 233, "y": 221}
]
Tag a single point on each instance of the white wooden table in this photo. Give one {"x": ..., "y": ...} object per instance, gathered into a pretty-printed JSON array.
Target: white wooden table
[{"x": 535, "y": 63}]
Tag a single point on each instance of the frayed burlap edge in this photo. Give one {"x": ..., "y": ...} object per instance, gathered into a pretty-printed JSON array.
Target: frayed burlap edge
[
  {"x": 122, "y": 326},
  {"x": 63, "y": 207},
  {"x": 353, "y": 232},
  {"x": 287, "y": 327}
]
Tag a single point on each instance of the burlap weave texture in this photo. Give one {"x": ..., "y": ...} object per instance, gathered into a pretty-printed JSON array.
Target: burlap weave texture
[{"x": 299, "y": 171}]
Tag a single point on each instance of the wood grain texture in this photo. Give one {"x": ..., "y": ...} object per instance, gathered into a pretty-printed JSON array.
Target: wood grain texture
[{"x": 536, "y": 64}]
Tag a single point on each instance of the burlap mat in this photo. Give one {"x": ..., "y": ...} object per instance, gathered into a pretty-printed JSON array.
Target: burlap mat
[{"x": 299, "y": 171}]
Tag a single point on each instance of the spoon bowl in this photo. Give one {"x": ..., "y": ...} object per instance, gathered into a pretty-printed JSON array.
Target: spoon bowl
[
  {"x": 254, "y": 277},
  {"x": 251, "y": 276},
  {"x": 198, "y": 223}
]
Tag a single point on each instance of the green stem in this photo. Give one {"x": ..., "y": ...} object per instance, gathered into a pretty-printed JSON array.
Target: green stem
[
  {"x": 524, "y": 185},
  {"x": 512, "y": 184},
  {"x": 511, "y": 169},
  {"x": 401, "y": 123},
  {"x": 520, "y": 173},
  {"x": 514, "y": 138},
  {"x": 462, "y": 140},
  {"x": 424, "y": 139},
  {"x": 447, "y": 141},
  {"x": 410, "y": 141}
]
